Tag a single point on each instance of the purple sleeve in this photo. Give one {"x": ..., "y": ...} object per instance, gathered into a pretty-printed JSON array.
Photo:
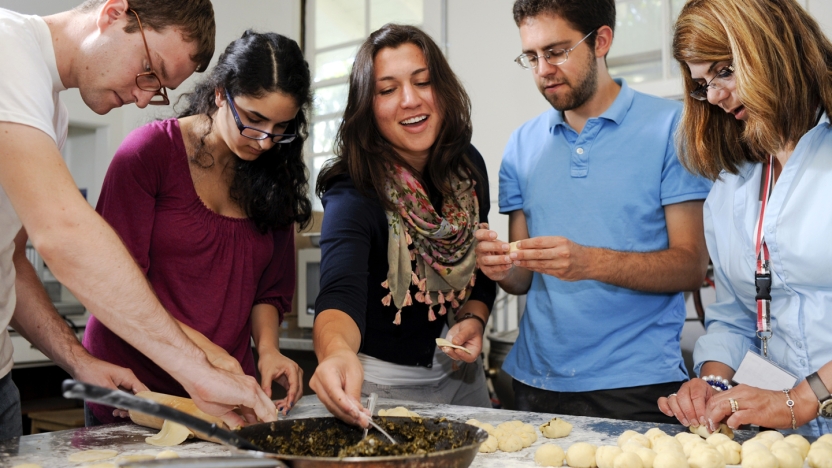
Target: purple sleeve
[
  {"x": 128, "y": 195},
  {"x": 277, "y": 285}
]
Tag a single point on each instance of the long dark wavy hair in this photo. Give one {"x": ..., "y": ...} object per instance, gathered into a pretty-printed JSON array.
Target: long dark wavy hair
[
  {"x": 272, "y": 189},
  {"x": 363, "y": 153}
]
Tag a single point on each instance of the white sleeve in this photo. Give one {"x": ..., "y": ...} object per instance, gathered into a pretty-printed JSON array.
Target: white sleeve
[{"x": 26, "y": 89}]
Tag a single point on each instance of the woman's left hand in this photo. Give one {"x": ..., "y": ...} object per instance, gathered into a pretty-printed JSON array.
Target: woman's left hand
[
  {"x": 756, "y": 406},
  {"x": 276, "y": 367},
  {"x": 468, "y": 334}
]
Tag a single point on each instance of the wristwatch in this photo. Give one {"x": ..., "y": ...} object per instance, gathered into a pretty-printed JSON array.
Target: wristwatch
[{"x": 824, "y": 398}]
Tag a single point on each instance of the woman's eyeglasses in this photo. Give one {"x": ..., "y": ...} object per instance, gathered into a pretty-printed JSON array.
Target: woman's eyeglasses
[
  {"x": 717, "y": 82},
  {"x": 256, "y": 133}
]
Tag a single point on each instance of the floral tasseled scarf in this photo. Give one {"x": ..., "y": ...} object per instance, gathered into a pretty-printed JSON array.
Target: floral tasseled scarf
[{"x": 443, "y": 245}]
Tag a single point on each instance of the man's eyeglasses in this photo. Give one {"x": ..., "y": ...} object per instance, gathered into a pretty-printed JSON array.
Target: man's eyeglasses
[
  {"x": 552, "y": 56},
  {"x": 148, "y": 81},
  {"x": 717, "y": 82},
  {"x": 256, "y": 133}
]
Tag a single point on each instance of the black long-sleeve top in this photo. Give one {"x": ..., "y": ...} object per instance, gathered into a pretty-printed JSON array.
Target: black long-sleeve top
[{"x": 354, "y": 240}]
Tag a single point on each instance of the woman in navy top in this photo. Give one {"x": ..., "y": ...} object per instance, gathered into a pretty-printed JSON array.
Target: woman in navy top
[{"x": 402, "y": 200}]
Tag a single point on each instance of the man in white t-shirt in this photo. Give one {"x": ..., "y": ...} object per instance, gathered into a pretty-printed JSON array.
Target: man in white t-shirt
[{"x": 115, "y": 53}]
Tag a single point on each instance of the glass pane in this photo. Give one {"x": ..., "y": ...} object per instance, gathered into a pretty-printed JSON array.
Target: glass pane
[
  {"x": 338, "y": 21},
  {"x": 323, "y": 134},
  {"x": 331, "y": 99},
  {"x": 638, "y": 72},
  {"x": 638, "y": 27},
  {"x": 334, "y": 63},
  {"x": 396, "y": 11},
  {"x": 636, "y": 50}
]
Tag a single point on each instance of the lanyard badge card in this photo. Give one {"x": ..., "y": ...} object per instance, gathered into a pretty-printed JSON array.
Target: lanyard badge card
[{"x": 758, "y": 370}]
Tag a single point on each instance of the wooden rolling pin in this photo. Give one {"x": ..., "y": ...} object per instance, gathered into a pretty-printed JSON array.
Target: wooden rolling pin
[{"x": 185, "y": 405}]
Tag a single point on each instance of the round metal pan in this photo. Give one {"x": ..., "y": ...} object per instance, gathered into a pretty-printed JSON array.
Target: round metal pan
[{"x": 467, "y": 437}]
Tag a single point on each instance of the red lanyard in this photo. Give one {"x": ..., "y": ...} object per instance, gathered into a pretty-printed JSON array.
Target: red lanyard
[{"x": 762, "y": 275}]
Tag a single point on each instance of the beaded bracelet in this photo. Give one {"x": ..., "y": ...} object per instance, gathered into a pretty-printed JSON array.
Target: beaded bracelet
[
  {"x": 718, "y": 383},
  {"x": 790, "y": 404}
]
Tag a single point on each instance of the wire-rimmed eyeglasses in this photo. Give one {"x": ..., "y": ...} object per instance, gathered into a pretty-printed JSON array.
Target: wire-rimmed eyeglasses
[
  {"x": 148, "y": 81},
  {"x": 717, "y": 82},
  {"x": 256, "y": 133},
  {"x": 552, "y": 56}
]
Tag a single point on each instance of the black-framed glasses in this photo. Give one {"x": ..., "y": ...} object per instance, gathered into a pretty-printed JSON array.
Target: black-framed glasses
[
  {"x": 717, "y": 82},
  {"x": 552, "y": 56},
  {"x": 148, "y": 81},
  {"x": 256, "y": 133}
]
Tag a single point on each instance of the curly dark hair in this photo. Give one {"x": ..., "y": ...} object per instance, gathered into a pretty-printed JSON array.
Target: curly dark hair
[
  {"x": 273, "y": 190},
  {"x": 363, "y": 153}
]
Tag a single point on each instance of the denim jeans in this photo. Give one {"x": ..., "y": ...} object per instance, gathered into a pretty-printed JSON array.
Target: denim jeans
[{"x": 11, "y": 422}]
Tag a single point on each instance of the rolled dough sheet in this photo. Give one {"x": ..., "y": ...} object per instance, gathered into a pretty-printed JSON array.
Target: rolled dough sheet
[
  {"x": 170, "y": 435},
  {"x": 443, "y": 343}
]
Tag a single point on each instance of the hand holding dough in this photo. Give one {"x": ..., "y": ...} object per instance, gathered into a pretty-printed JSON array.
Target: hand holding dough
[{"x": 443, "y": 343}]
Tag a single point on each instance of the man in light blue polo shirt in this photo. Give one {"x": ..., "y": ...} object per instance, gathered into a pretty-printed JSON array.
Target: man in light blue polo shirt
[{"x": 609, "y": 226}]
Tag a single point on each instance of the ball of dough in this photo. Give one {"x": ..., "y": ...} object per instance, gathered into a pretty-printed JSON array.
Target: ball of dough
[
  {"x": 487, "y": 427},
  {"x": 826, "y": 439},
  {"x": 627, "y": 460},
  {"x": 799, "y": 442},
  {"x": 667, "y": 443},
  {"x": 759, "y": 459},
  {"x": 706, "y": 457},
  {"x": 730, "y": 451},
  {"x": 787, "y": 457},
  {"x": 511, "y": 443},
  {"x": 670, "y": 460},
  {"x": 773, "y": 436},
  {"x": 647, "y": 456},
  {"x": 527, "y": 438},
  {"x": 555, "y": 429},
  {"x": 640, "y": 440},
  {"x": 820, "y": 457},
  {"x": 750, "y": 446},
  {"x": 490, "y": 445},
  {"x": 625, "y": 437},
  {"x": 501, "y": 433},
  {"x": 527, "y": 428},
  {"x": 166, "y": 454},
  {"x": 717, "y": 438},
  {"x": 630, "y": 447},
  {"x": 767, "y": 441},
  {"x": 605, "y": 455},
  {"x": 549, "y": 455},
  {"x": 473, "y": 422},
  {"x": 654, "y": 434},
  {"x": 581, "y": 455},
  {"x": 695, "y": 445},
  {"x": 684, "y": 437}
]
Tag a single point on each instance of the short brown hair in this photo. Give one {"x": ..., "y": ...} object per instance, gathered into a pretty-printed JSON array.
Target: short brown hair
[
  {"x": 585, "y": 16},
  {"x": 193, "y": 18},
  {"x": 783, "y": 66}
]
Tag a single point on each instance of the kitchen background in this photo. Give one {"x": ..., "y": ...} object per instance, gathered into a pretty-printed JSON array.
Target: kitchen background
[{"x": 480, "y": 41}]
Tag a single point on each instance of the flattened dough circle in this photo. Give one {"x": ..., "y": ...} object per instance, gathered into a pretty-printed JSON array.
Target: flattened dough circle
[
  {"x": 170, "y": 435},
  {"x": 91, "y": 455},
  {"x": 443, "y": 343}
]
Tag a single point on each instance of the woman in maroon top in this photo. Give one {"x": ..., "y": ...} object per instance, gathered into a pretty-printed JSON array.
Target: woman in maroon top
[{"x": 207, "y": 203}]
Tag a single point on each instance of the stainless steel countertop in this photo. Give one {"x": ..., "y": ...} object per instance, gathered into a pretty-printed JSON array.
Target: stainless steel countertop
[{"x": 52, "y": 449}]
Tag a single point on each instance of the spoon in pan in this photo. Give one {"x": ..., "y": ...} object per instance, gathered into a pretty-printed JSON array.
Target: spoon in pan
[{"x": 371, "y": 405}]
